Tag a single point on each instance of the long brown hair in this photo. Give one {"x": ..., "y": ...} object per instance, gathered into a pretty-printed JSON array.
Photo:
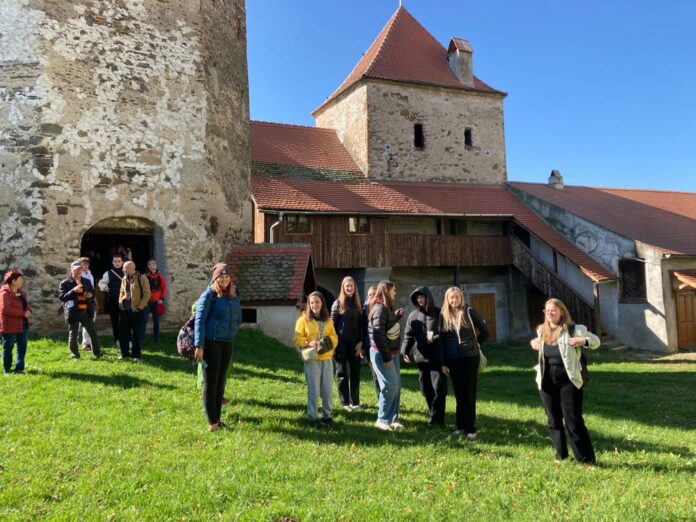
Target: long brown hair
[
  {"x": 323, "y": 313},
  {"x": 547, "y": 336},
  {"x": 382, "y": 292},
  {"x": 342, "y": 296},
  {"x": 451, "y": 317}
]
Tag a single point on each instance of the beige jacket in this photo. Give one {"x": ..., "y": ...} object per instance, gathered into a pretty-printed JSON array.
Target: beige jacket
[
  {"x": 569, "y": 354},
  {"x": 139, "y": 301}
]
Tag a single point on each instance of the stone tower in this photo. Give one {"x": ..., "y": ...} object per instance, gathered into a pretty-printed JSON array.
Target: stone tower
[
  {"x": 413, "y": 110},
  {"x": 122, "y": 119}
]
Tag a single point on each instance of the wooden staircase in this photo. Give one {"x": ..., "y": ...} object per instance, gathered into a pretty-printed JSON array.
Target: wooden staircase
[{"x": 582, "y": 311}]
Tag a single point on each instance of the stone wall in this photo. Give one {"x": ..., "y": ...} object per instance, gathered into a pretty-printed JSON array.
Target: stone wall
[
  {"x": 122, "y": 108},
  {"x": 394, "y": 109}
]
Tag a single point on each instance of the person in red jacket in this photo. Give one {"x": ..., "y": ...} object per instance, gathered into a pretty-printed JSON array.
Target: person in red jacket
[
  {"x": 14, "y": 320},
  {"x": 158, "y": 287}
]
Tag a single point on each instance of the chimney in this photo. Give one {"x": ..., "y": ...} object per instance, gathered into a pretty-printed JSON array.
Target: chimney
[
  {"x": 459, "y": 57},
  {"x": 556, "y": 180}
]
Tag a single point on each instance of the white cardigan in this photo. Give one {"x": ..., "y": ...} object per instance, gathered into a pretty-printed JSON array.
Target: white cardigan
[{"x": 569, "y": 354}]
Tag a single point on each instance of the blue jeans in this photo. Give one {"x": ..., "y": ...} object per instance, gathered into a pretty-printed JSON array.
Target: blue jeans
[
  {"x": 389, "y": 399},
  {"x": 319, "y": 377},
  {"x": 151, "y": 310},
  {"x": 8, "y": 342}
]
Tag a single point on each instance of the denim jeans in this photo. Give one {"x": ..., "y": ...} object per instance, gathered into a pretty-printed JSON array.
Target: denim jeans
[
  {"x": 8, "y": 342},
  {"x": 319, "y": 377},
  {"x": 389, "y": 379},
  {"x": 151, "y": 310}
]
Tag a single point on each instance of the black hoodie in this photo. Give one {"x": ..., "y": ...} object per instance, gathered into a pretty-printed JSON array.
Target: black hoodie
[{"x": 419, "y": 322}]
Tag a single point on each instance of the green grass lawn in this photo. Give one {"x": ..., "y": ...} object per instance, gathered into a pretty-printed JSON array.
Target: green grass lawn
[{"x": 117, "y": 440}]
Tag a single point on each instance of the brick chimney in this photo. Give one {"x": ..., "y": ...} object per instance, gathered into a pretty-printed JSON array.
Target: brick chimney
[
  {"x": 459, "y": 57},
  {"x": 556, "y": 180}
]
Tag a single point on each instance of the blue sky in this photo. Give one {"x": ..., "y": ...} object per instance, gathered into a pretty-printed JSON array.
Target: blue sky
[{"x": 601, "y": 90}]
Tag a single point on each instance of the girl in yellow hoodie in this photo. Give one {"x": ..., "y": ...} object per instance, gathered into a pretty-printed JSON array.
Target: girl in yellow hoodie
[{"x": 315, "y": 335}]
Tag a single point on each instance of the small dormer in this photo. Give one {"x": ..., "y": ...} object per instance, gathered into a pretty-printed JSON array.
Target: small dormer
[{"x": 460, "y": 59}]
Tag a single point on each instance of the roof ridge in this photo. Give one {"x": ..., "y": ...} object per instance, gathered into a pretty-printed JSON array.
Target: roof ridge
[
  {"x": 278, "y": 123},
  {"x": 623, "y": 189}
]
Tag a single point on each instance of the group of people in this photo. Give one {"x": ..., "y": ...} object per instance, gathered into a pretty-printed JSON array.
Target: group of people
[{"x": 445, "y": 344}]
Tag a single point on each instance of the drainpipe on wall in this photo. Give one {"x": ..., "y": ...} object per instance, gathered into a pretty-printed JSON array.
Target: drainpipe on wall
[{"x": 280, "y": 220}]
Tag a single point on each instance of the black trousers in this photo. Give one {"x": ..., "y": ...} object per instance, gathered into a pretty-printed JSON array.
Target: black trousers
[
  {"x": 216, "y": 360},
  {"x": 129, "y": 331},
  {"x": 347, "y": 373},
  {"x": 563, "y": 402},
  {"x": 464, "y": 375},
  {"x": 115, "y": 316},
  {"x": 433, "y": 386}
]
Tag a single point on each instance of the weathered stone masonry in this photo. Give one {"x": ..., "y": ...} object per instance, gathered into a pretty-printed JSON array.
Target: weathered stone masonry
[{"x": 122, "y": 109}]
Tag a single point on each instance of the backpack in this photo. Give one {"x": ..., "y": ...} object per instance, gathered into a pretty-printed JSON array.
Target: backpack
[{"x": 185, "y": 341}]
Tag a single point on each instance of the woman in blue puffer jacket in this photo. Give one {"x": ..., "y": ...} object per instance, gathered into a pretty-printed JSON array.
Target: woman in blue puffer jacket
[{"x": 218, "y": 316}]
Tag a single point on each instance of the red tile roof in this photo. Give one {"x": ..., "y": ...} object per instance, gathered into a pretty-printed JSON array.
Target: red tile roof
[
  {"x": 687, "y": 277},
  {"x": 298, "y": 145},
  {"x": 459, "y": 44},
  {"x": 274, "y": 272},
  {"x": 663, "y": 219},
  {"x": 405, "y": 51},
  {"x": 435, "y": 199}
]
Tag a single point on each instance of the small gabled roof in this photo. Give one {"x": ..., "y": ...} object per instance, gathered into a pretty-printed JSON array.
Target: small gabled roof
[
  {"x": 664, "y": 219},
  {"x": 405, "y": 51},
  {"x": 686, "y": 276},
  {"x": 271, "y": 272},
  {"x": 459, "y": 44}
]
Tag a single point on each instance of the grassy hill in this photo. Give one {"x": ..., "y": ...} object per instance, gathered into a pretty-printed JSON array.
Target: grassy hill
[{"x": 118, "y": 440}]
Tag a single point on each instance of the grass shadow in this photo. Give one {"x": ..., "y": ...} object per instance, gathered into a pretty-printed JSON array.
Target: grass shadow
[{"x": 120, "y": 380}]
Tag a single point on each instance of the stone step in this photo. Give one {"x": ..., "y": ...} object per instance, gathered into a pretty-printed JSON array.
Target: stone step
[
  {"x": 611, "y": 344},
  {"x": 620, "y": 348}
]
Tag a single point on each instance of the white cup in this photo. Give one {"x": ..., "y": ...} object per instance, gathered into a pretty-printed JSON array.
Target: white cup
[{"x": 430, "y": 335}]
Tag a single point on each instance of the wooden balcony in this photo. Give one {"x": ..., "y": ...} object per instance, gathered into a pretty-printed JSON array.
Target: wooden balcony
[{"x": 431, "y": 250}]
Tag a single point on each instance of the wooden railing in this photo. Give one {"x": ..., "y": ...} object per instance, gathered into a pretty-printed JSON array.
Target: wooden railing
[
  {"x": 432, "y": 250},
  {"x": 550, "y": 284}
]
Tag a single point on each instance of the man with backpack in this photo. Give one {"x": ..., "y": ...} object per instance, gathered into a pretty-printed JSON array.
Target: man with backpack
[{"x": 133, "y": 299}]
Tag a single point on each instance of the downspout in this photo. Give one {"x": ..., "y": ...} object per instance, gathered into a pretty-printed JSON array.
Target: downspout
[{"x": 280, "y": 220}]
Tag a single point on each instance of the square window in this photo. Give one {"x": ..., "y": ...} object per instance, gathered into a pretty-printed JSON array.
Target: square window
[
  {"x": 358, "y": 225},
  {"x": 297, "y": 224}
]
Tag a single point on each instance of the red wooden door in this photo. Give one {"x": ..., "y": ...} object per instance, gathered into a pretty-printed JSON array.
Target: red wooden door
[{"x": 484, "y": 304}]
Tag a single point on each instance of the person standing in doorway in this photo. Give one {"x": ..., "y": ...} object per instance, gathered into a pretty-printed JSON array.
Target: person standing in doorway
[
  {"x": 14, "y": 320},
  {"x": 420, "y": 344},
  {"x": 110, "y": 284},
  {"x": 158, "y": 291},
  {"x": 133, "y": 299},
  {"x": 86, "y": 273},
  {"x": 218, "y": 317},
  {"x": 559, "y": 343},
  {"x": 77, "y": 294},
  {"x": 459, "y": 355},
  {"x": 345, "y": 314},
  {"x": 385, "y": 337}
]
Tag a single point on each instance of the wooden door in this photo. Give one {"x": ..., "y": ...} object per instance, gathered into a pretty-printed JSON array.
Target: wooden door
[
  {"x": 484, "y": 304},
  {"x": 686, "y": 319}
]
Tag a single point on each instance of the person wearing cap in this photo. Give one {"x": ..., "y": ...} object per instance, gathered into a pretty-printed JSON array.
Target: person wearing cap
[
  {"x": 86, "y": 339},
  {"x": 77, "y": 294},
  {"x": 158, "y": 290},
  {"x": 133, "y": 299},
  {"x": 14, "y": 320},
  {"x": 218, "y": 316}
]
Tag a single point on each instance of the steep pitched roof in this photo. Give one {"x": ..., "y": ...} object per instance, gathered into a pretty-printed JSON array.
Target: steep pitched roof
[
  {"x": 270, "y": 272},
  {"x": 434, "y": 199},
  {"x": 663, "y": 219},
  {"x": 405, "y": 51}
]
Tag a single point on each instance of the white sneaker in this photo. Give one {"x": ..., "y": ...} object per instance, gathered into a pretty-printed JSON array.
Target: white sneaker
[
  {"x": 471, "y": 436},
  {"x": 347, "y": 407},
  {"x": 382, "y": 426},
  {"x": 357, "y": 407},
  {"x": 459, "y": 433},
  {"x": 396, "y": 426}
]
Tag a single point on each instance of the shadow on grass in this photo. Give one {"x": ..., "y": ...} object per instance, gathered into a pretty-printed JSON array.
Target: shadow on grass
[{"x": 120, "y": 380}]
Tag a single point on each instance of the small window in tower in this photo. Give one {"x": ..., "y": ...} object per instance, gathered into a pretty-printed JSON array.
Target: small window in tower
[
  {"x": 468, "y": 138},
  {"x": 418, "y": 136}
]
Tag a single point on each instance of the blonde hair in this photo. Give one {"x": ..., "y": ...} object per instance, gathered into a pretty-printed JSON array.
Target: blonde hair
[
  {"x": 547, "y": 336},
  {"x": 453, "y": 318},
  {"x": 342, "y": 296}
]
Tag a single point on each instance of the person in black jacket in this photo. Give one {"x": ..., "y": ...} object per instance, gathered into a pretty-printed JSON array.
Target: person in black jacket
[
  {"x": 420, "y": 344},
  {"x": 345, "y": 314},
  {"x": 384, "y": 330},
  {"x": 460, "y": 355},
  {"x": 110, "y": 284},
  {"x": 77, "y": 294}
]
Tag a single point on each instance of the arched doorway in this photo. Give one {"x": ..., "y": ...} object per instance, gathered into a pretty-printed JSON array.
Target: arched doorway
[{"x": 133, "y": 237}]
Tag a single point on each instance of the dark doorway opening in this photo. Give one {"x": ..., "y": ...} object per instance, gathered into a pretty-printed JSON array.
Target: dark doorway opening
[{"x": 535, "y": 306}]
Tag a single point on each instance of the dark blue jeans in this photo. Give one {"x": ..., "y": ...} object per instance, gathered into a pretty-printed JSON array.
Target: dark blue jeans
[
  {"x": 8, "y": 342},
  {"x": 151, "y": 310}
]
